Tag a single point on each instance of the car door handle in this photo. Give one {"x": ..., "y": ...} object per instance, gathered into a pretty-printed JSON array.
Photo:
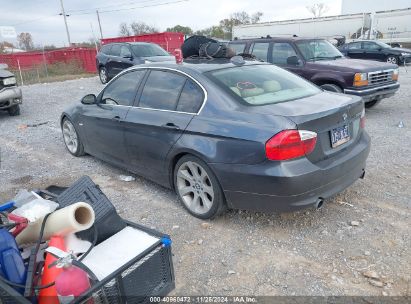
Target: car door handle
[
  {"x": 170, "y": 125},
  {"x": 116, "y": 118}
]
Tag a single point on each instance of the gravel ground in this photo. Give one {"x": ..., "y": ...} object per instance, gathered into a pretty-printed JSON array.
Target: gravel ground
[{"x": 362, "y": 232}]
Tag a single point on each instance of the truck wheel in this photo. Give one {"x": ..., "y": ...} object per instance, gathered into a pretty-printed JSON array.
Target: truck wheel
[
  {"x": 392, "y": 59},
  {"x": 371, "y": 103},
  {"x": 14, "y": 111},
  {"x": 331, "y": 87}
]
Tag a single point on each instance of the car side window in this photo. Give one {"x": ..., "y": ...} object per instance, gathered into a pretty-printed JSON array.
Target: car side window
[
  {"x": 191, "y": 98},
  {"x": 281, "y": 52},
  {"x": 125, "y": 51},
  {"x": 237, "y": 47},
  {"x": 162, "y": 90},
  {"x": 106, "y": 49},
  {"x": 354, "y": 46},
  {"x": 115, "y": 50},
  {"x": 260, "y": 50},
  {"x": 370, "y": 46},
  {"x": 122, "y": 90}
]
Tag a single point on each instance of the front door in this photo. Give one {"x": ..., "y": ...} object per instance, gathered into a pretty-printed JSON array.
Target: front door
[
  {"x": 104, "y": 123},
  {"x": 165, "y": 107}
]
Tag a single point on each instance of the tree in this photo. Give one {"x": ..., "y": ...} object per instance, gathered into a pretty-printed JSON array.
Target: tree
[
  {"x": 124, "y": 30},
  {"x": 180, "y": 29},
  {"x": 256, "y": 17},
  {"x": 139, "y": 28},
  {"x": 238, "y": 18},
  {"x": 25, "y": 41},
  {"x": 318, "y": 9}
]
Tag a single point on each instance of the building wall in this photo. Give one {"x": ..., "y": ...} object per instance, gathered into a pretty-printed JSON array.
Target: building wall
[{"x": 355, "y": 6}]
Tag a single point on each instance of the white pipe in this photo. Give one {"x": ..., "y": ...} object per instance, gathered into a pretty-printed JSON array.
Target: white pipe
[{"x": 73, "y": 218}]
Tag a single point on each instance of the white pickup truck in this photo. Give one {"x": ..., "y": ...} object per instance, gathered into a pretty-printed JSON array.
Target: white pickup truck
[{"x": 10, "y": 95}]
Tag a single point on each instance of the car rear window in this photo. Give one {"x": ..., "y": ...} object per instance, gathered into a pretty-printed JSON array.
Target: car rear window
[
  {"x": 148, "y": 50},
  {"x": 237, "y": 47},
  {"x": 262, "y": 84}
]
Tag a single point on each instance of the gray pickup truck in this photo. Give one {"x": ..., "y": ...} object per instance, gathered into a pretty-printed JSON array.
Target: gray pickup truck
[{"x": 10, "y": 95}]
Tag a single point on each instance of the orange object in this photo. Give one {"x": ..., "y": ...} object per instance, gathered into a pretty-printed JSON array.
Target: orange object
[{"x": 49, "y": 295}]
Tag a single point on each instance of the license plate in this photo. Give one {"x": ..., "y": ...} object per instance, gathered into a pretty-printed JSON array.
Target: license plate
[{"x": 339, "y": 136}]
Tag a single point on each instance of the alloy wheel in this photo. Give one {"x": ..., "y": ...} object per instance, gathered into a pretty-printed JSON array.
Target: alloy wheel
[
  {"x": 103, "y": 75},
  {"x": 70, "y": 136},
  {"x": 392, "y": 60},
  {"x": 195, "y": 188}
]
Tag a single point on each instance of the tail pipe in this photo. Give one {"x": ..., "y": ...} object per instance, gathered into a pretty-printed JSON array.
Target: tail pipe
[{"x": 319, "y": 203}]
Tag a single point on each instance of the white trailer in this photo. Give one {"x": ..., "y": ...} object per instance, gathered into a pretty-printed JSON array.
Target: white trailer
[{"x": 393, "y": 26}]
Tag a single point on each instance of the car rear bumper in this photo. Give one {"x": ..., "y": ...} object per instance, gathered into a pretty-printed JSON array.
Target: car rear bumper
[
  {"x": 291, "y": 185},
  {"x": 9, "y": 97},
  {"x": 376, "y": 93}
]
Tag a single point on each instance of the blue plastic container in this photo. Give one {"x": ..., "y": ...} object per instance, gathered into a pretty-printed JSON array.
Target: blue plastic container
[{"x": 12, "y": 265}]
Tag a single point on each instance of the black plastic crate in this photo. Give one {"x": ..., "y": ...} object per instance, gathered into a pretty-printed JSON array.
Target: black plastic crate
[
  {"x": 107, "y": 221},
  {"x": 149, "y": 274}
]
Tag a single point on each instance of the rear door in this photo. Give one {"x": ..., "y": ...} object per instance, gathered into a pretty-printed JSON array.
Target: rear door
[
  {"x": 260, "y": 50},
  {"x": 112, "y": 60},
  {"x": 125, "y": 59},
  {"x": 163, "y": 109},
  {"x": 104, "y": 123}
]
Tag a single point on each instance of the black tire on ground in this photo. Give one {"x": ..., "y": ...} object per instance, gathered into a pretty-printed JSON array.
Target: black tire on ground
[
  {"x": 371, "y": 103},
  {"x": 218, "y": 205},
  {"x": 331, "y": 87},
  {"x": 102, "y": 73},
  {"x": 392, "y": 59},
  {"x": 14, "y": 111},
  {"x": 79, "y": 151}
]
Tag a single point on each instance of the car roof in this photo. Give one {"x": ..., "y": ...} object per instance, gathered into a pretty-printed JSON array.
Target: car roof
[
  {"x": 201, "y": 65},
  {"x": 264, "y": 39},
  {"x": 131, "y": 43}
]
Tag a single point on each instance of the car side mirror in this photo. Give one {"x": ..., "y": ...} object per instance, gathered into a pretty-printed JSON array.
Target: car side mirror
[
  {"x": 293, "y": 60},
  {"x": 89, "y": 99}
]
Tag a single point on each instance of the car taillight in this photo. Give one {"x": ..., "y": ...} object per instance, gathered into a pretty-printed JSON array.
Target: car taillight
[
  {"x": 362, "y": 119},
  {"x": 289, "y": 144}
]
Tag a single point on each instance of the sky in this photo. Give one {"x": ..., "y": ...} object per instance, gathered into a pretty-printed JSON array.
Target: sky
[{"x": 41, "y": 19}]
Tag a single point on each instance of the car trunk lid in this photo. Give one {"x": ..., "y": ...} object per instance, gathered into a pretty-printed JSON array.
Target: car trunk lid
[{"x": 329, "y": 115}]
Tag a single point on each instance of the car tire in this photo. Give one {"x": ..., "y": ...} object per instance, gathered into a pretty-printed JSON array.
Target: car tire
[
  {"x": 372, "y": 103},
  {"x": 102, "y": 73},
  {"x": 71, "y": 138},
  {"x": 331, "y": 87},
  {"x": 198, "y": 189},
  {"x": 392, "y": 59},
  {"x": 14, "y": 110}
]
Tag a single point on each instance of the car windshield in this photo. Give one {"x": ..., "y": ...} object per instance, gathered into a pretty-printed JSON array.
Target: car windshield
[
  {"x": 148, "y": 50},
  {"x": 262, "y": 84},
  {"x": 313, "y": 50}
]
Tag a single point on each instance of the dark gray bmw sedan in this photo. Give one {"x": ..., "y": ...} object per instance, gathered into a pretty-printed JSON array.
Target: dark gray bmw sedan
[{"x": 224, "y": 134}]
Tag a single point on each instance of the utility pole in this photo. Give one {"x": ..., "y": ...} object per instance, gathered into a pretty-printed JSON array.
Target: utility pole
[
  {"x": 65, "y": 22},
  {"x": 99, "y": 24}
]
